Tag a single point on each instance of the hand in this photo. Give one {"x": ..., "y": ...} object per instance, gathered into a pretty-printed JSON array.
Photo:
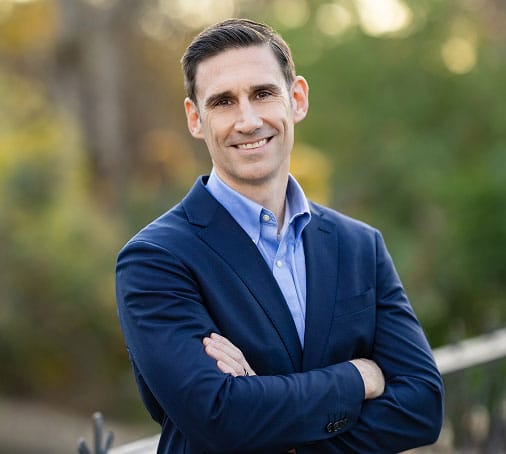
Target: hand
[
  {"x": 374, "y": 382},
  {"x": 229, "y": 358}
]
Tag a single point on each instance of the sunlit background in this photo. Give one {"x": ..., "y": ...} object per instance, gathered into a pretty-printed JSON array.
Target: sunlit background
[{"x": 406, "y": 131}]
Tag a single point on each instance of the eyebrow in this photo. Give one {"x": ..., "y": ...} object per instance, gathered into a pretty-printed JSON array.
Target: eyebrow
[{"x": 213, "y": 99}]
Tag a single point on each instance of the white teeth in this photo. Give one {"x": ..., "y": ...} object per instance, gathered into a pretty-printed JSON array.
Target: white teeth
[{"x": 249, "y": 146}]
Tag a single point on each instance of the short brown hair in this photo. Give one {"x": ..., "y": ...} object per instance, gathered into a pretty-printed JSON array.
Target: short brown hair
[{"x": 229, "y": 34}]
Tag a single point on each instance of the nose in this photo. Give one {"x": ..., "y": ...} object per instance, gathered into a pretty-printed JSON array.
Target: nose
[{"x": 248, "y": 120}]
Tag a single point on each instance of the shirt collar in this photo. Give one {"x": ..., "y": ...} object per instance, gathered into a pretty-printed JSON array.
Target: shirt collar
[
  {"x": 247, "y": 213},
  {"x": 297, "y": 208}
]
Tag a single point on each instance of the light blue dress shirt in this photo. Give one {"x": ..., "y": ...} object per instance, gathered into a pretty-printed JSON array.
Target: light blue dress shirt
[{"x": 284, "y": 253}]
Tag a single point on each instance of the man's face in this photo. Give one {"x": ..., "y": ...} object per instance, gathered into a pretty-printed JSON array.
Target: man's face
[{"x": 246, "y": 114}]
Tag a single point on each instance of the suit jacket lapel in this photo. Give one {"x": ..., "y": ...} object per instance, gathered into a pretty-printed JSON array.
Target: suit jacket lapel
[
  {"x": 321, "y": 252},
  {"x": 229, "y": 240}
]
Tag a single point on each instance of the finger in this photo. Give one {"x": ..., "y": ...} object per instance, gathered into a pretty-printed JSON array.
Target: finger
[
  {"x": 240, "y": 364},
  {"x": 229, "y": 346},
  {"x": 226, "y": 369},
  {"x": 226, "y": 343},
  {"x": 217, "y": 353},
  {"x": 220, "y": 355}
]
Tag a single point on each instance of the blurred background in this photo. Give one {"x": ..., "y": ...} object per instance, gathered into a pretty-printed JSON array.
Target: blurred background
[{"x": 406, "y": 131}]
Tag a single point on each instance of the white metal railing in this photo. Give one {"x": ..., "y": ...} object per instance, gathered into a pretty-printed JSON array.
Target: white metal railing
[
  {"x": 471, "y": 352},
  {"x": 450, "y": 358},
  {"x": 143, "y": 446}
]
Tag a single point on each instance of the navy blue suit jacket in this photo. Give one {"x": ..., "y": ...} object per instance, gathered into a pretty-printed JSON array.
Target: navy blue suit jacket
[{"x": 194, "y": 271}]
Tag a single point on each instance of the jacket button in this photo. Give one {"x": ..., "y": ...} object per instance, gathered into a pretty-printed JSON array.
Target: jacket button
[{"x": 341, "y": 424}]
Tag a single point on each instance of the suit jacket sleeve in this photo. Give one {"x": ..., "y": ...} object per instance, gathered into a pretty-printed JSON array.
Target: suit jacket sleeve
[
  {"x": 164, "y": 319},
  {"x": 410, "y": 411}
]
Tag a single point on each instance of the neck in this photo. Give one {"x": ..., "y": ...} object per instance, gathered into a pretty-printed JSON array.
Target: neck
[{"x": 273, "y": 199}]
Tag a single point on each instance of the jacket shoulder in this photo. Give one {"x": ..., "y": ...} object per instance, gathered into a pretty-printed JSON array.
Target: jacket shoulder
[
  {"x": 180, "y": 223},
  {"x": 344, "y": 223},
  {"x": 170, "y": 228}
]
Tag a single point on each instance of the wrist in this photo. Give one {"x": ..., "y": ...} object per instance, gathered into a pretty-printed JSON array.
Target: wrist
[{"x": 372, "y": 377}]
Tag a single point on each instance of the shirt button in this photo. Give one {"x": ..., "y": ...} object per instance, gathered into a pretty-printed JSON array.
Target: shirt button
[
  {"x": 279, "y": 263},
  {"x": 266, "y": 218}
]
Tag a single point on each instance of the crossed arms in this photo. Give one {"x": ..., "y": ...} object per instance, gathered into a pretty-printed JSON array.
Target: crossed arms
[
  {"x": 172, "y": 296},
  {"x": 230, "y": 360}
]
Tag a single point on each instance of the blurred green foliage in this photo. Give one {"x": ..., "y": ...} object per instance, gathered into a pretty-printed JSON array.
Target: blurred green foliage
[
  {"x": 59, "y": 339},
  {"x": 421, "y": 153},
  {"x": 396, "y": 136}
]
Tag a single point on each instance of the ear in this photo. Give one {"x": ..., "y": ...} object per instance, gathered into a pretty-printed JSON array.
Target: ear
[
  {"x": 193, "y": 118},
  {"x": 300, "y": 98}
]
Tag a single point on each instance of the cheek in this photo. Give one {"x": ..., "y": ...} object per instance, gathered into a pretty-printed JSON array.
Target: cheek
[
  {"x": 216, "y": 129},
  {"x": 280, "y": 116},
  {"x": 275, "y": 109}
]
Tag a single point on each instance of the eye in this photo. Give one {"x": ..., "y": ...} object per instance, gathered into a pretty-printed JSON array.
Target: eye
[
  {"x": 263, "y": 94},
  {"x": 223, "y": 102}
]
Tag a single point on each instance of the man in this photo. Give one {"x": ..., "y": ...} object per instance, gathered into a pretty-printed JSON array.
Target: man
[{"x": 257, "y": 321}]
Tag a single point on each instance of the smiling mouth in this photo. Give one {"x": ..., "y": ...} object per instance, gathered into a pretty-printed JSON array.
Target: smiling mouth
[{"x": 253, "y": 145}]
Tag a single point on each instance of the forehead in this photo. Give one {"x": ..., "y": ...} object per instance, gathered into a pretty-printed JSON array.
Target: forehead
[{"x": 236, "y": 69}]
